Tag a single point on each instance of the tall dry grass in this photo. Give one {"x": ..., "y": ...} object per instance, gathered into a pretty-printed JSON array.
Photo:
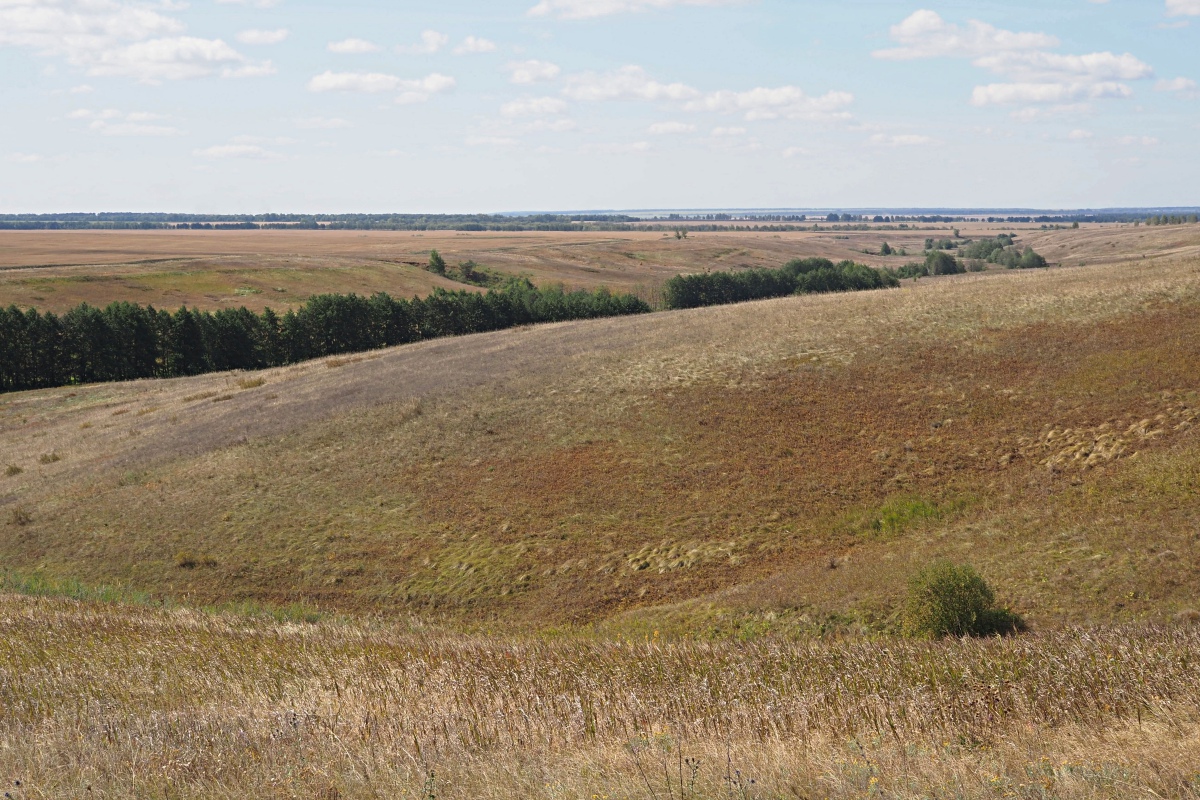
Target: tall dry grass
[{"x": 111, "y": 701}]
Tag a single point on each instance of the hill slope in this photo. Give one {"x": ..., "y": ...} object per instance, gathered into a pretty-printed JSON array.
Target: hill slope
[{"x": 780, "y": 465}]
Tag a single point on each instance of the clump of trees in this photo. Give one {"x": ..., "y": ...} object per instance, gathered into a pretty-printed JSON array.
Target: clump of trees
[
  {"x": 800, "y": 276},
  {"x": 466, "y": 272},
  {"x": 126, "y": 341}
]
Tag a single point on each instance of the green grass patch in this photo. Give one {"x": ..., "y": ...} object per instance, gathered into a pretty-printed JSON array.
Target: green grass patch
[
  {"x": 900, "y": 514},
  {"x": 38, "y": 584}
]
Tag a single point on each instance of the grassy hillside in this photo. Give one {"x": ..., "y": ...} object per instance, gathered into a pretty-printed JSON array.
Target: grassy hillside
[{"x": 777, "y": 466}]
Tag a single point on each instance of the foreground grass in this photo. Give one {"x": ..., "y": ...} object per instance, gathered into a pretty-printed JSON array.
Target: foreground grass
[{"x": 118, "y": 701}]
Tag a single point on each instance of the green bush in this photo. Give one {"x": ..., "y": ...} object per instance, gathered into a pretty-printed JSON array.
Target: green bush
[{"x": 945, "y": 599}]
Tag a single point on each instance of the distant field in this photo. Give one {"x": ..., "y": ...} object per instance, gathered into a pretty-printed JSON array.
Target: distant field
[{"x": 219, "y": 269}]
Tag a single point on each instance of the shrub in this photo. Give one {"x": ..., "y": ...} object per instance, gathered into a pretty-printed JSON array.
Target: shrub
[
  {"x": 437, "y": 264},
  {"x": 945, "y": 599},
  {"x": 19, "y": 517},
  {"x": 50, "y": 458},
  {"x": 12, "y": 470}
]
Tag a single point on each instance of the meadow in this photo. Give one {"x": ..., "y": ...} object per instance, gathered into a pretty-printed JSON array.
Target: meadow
[{"x": 656, "y": 556}]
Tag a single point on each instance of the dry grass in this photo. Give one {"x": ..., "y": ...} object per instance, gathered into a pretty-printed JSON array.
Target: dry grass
[
  {"x": 1040, "y": 425},
  {"x": 117, "y": 702}
]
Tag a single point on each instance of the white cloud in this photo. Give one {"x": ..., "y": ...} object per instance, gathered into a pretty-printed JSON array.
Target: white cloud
[
  {"x": 626, "y": 83},
  {"x": 532, "y": 71},
  {"x": 250, "y": 151},
  {"x": 24, "y": 158},
  {"x": 1183, "y": 8},
  {"x": 133, "y": 129},
  {"x": 111, "y": 122},
  {"x": 1183, "y": 86},
  {"x": 901, "y": 140},
  {"x": 552, "y": 125},
  {"x": 1033, "y": 74},
  {"x": 632, "y": 83},
  {"x": 323, "y": 123},
  {"x": 796, "y": 152},
  {"x": 619, "y": 149},
  {"x": 117, "y": 38},
  {"x": 490, "y": 141},
  {"x": 474, "y": 44},
  {"x": 723, "y": 132},
  {"x": 925, "y": 34},
  {"x": 668, "y": 128},
  {"x": 1080, "y": 135},
  {"x": 255, "y": 3},
  {"x": 254, "y": 36},
  {"x": 588, "y": 9},
  {"x": 1010, "y": 93},
  {"x": 431, "y": 42},
  {"x": 788, "y": 102},
  {"x": 408, "y": 90},
  {"x": 83, "y": 88},
  {"x": 1142, "y": 141},
  {"x": 352, "y": 47},
  {"x": 534, "y": 107}
]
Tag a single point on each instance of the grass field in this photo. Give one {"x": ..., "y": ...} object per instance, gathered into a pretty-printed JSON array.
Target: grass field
[
  {"x": 653, "y": 557},
  {"x": 120, "y": 702},
  {"x": 56, "y": 270}
]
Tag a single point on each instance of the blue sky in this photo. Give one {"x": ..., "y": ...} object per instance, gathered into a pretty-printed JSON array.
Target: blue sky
[{"x": 465, "y": 105}]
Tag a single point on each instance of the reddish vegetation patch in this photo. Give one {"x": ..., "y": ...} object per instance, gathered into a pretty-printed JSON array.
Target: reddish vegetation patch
[{"x": 795, "y": 466}]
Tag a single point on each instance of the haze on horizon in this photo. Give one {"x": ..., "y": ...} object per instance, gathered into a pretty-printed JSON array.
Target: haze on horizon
[{"x": 251, "y": 106}]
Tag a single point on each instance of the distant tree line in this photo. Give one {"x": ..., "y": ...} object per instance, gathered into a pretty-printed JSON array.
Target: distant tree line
[
  {"x": 389, "y": 222},
  {"x": 801, "y": 276},
  {"x": 1172, "y": 219},
  {"x": 126, "y": 341}
]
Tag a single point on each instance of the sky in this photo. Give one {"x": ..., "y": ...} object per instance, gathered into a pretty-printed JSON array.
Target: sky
[{"x": 457, "y": 106}]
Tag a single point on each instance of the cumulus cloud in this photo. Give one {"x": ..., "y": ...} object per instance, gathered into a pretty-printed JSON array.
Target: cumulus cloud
[
  {"x": 254, "y": 36},
  {"x": 588, "y": 9},
  {"x": 630, "y": 148},
  {"x": 255, "y": 3},
  {"x": 1141, "y": 141},
  {"x": 924, "y": 34},
  {"x": 1031, "y": 73},
  {"x": 668, "y": 128},
  {"x": 1184, "y": 86},
  {"x": 1183, "y": 8},
  {"x": 474, "y": 44},
  {"x": 247, "y": 151},
  {"x": 490, "y": 141},
  {"x": 724, "y": 132},
  {"x": 788, "y": 102},
  {"x": 626, "y": 83},
  {"x": 901, "y": 140},
  {"x": 323, "y": 123},
  {"x": 118, "y": 38},
  {"x": 525, "y": 72},
  {"x": 534, "y": 107},
  {"x": 431, "y": 42},
  {"x": 633, "y": 83},
  {"x": 24, "y": 158},
  {"x": 352, "y": 47},
  {"x": 407, "y": 90},
  {"x": 111, "y": 122},
  {"x": 1080, "y": 135}
]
